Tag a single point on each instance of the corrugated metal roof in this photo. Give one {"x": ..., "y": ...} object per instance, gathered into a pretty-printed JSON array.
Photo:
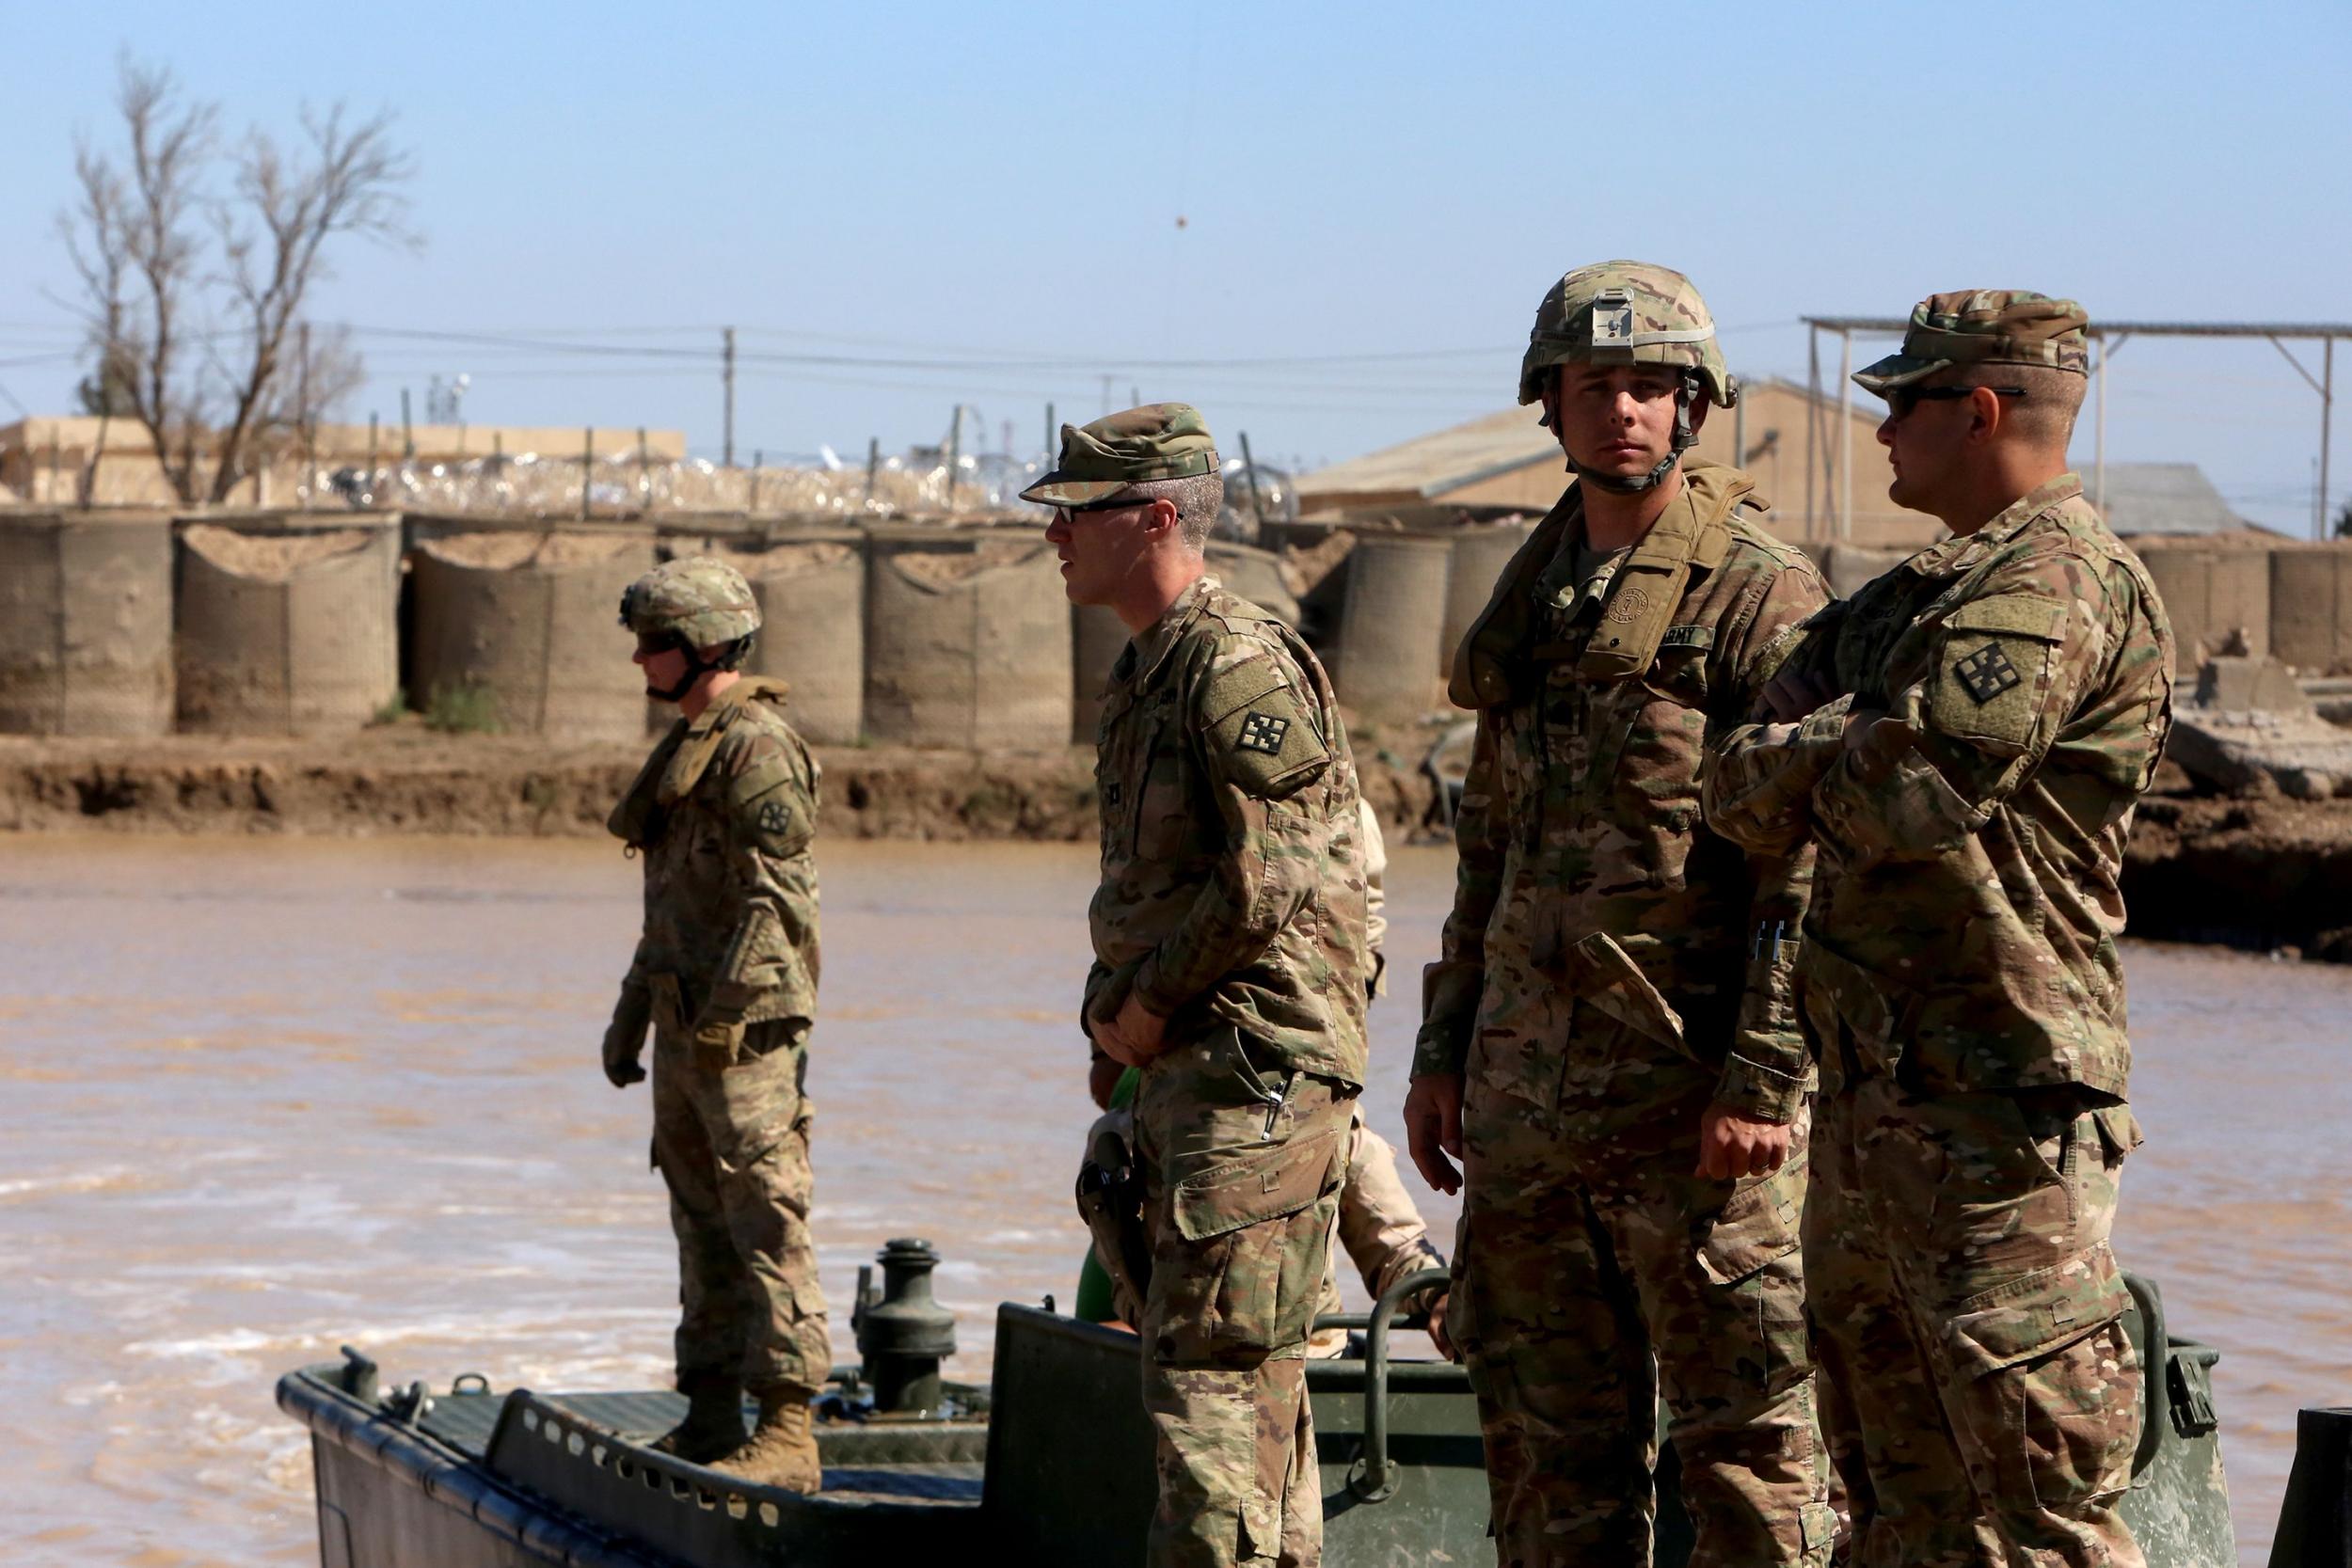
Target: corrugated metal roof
[
  {"x": 1443, "y": 459},
  {"x": 2163, "y": 498}
]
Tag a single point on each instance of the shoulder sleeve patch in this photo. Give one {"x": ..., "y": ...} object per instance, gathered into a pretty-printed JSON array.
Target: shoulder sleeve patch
[
  {"x": 1267, "y": 747},
  {"x": 773, "y": 806},
  {"x": 1994, "y": 671}
]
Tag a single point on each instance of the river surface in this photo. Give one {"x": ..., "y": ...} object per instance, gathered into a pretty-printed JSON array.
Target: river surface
[{"x": 269, "y": 1098}]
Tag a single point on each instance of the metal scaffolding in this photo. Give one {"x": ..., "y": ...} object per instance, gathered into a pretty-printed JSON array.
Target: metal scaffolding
[{"x": 2110, "y": 337}]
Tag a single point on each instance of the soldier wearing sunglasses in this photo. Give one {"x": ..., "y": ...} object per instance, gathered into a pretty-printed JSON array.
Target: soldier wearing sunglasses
[{"x": 1965, "y": 741}]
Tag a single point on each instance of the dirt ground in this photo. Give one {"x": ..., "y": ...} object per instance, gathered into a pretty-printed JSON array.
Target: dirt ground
[{"x": 2259, "y": 872}]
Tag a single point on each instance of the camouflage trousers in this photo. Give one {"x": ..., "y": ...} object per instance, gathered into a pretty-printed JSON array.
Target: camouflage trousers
[
  {"x": 1242, "y": 1170},
  {"x": 732, "y": 1148},
  {"x": 1588, "y": 1280},
  {"x": 1982, "y": 1398}
]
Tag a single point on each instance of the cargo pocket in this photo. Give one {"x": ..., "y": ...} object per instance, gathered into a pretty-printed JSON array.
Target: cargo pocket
[
  {"x": 2049, "y": 1385},
  {"x": 1759, "y": 1338},
  {"x": 1258, "y": 1232}
]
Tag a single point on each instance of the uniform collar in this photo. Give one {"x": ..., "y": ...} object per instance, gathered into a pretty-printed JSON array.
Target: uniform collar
[
  {"x": 1961, "y": 552},
  {"x": 1141, "y": 660}
]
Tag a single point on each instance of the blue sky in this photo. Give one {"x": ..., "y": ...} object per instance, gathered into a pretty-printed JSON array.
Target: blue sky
[{"x": 1000, "y": 186}]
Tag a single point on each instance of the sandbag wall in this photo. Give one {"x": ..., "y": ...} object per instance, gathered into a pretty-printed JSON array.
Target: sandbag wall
[
  {"x": 85, "y": 625},
  {"x": 2211, "y": 590},
  {"x": 530, "y": 619},
  {"x": 811, "y": 588},
  {"x": 968, "y": 640},
  {"x": 1479, "y": 555},
  {"x": 286, "y": 630},
  {"x": 1384, "y": 660},
  {"x": 2310, "y": 606}
]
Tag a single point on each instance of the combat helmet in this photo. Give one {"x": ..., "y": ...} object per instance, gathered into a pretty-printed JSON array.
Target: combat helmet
[
  {"x": 693, "y": 604},
  {"x": 1630, "y": 313}
]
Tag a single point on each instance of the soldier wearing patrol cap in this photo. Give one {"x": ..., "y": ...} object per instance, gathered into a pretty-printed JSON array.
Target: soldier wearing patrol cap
[
  {"x": 1966, "y": 740},
  {"x": 725, "y": 973},
  {"x": 1229, "y": 965},
  {"x": 1609, "y": 1042}
]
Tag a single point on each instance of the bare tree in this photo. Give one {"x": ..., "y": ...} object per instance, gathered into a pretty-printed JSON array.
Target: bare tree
[{"x": 193, "y": 295}]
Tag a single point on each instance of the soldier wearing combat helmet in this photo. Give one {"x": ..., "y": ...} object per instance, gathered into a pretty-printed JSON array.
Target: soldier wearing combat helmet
[
  {"x": 1229, "y": 965},
  {"x": 725, "y": 973},
  {"x": 1609, "y": 1044},
  {"x": 1965, "y": 740}
]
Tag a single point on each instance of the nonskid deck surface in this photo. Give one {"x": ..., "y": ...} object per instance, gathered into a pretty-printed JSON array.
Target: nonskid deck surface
[{"x": 465, "y": 1422}]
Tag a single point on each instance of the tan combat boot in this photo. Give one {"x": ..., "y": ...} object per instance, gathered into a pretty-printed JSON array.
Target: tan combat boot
[
  {"x": 713, "y": 1427},
  {"x": 783, "y": 1450}
]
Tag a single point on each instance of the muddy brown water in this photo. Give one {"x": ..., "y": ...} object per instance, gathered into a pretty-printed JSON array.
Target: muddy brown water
[{"x": 269, "y": 1098}]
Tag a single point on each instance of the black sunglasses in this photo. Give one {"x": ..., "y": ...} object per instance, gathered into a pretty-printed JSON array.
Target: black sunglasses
[
  {"x": 1069, "y": 511},
  {"x": 1903, "y": 400}
]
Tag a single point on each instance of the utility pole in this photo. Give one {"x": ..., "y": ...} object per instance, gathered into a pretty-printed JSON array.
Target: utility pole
[
  {"x": 587, "y": 467},
  {"x": 873, "y": 462},
  {"x": 954, "y": 454},
  {"x": 407, "y": 430},
  {"x": 1052, "y": 436},
  {"x": 375, "y": 421},
  {"x": 727, "y": 449},
  {"x": 302, "y": 407},
  {"x": 2326, "y": 412}
]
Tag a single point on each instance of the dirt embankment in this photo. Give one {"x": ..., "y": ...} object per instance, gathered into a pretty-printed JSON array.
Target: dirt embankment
[
  {"x": 403, "y": 778},
  {"x": 2262, "y": 872},
  {"x": 2254, "y": 871}
]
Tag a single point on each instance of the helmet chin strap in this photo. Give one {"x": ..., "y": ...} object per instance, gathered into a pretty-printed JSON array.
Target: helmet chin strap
[
  {"x": 696, "y": 668},
  {"x": 1686, "y": 392}
]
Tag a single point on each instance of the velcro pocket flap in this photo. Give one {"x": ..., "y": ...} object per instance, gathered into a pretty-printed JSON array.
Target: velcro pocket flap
[
  {"x": 1267, "y": 1185},
  {"x": 1759, "y": 1225},
  {"x": 1602, "y": 974},
  {"x": 2012, "y": 615},
  {"x": 2039, "y": 1312}
]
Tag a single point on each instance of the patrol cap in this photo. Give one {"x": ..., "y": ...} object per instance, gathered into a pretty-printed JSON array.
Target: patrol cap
[
  {"x": 1984, "y": 326},
  {"x": 1159, "y": 440}
]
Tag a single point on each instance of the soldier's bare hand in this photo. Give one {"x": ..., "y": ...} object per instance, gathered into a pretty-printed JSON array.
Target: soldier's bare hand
[
  {"x": 1135, "y": 1037},
  {"x": 1437, "y": 1326},
  {"x": 1790, "y": 697},
  {"x": 1733, "y": 1144},
  {"x": 1433, "y": 1127}
]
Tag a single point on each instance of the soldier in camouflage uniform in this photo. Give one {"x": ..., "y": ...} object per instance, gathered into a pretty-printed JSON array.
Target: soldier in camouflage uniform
[
  {"x": 1229, "y": 965},
  {"x": 1966, "y": 740},
  {"x": 725, "y": 972},
  {"x": 1609, "y": 1042}
]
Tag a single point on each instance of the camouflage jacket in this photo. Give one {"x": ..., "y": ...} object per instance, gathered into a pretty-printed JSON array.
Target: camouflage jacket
[
  {"x": 1586, "y": 874},
  {"x": 1972, "y": 838},
  {"x": 723, "y": 812},
  {"x": 1233, "y": 864}
]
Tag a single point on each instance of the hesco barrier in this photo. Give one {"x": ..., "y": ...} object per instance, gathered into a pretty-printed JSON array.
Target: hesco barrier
[
  {"x": 1385, "y": 657},
  {"x": 289, "y": 631},
  {"x": 968, "y": 640},
  {"x": 2310, "y": 606},
  {"x": 86, "y": 624},
  {"x": 2209, "y": 590},
  {"x": 811, "y": 588},
  {"x": 1096, "y": 637},
  {"x": 531, "y": 618},
  {"x": 1256, "y": 575},
  {"x": 1479, "y": 553}
]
